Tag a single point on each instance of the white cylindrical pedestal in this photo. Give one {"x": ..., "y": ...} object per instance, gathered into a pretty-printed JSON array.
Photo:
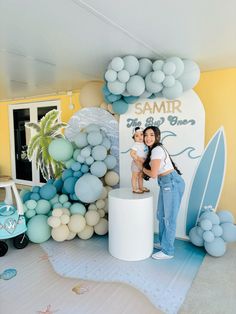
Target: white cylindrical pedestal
[{"x": 130, "y": 224}]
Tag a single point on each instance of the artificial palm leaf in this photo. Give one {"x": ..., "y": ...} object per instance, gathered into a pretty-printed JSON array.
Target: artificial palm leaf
[{"x": 47, "y": 130}]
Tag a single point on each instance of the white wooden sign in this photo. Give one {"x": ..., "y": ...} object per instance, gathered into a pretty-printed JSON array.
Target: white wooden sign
[{"x": 182, "y": 125}]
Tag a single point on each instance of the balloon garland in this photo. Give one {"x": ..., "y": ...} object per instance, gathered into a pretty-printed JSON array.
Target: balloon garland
[{"x": 127, "y": 79}]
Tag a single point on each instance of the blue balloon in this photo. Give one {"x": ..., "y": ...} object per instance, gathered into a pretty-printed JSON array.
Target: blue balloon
[
  {"x": 215, "y": 248},
  {"x": 67, "y": 173},
  {"x": 105, "y": 90},
  {"x": 58, "y": 184},
  {"x": 69, "y": 184},
  {"x": 88, "y": 188},
  {"x": 120, "y": 106},
  {"x": 48, "y": 191},
  {"x": 35, "y": 196},
  {"x": 113, "y": 98},
  {"x": 130, "y": 99},
  {"x": 35, "y": 189}
]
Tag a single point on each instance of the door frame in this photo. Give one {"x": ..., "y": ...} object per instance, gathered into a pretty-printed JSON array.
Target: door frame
[{"x": 32, "y": 106}]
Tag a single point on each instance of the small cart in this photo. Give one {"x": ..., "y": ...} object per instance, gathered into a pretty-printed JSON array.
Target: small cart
[{"x": 12, "y": 219}]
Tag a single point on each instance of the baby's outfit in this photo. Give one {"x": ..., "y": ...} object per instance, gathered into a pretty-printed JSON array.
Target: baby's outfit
[{"x": 141, "y": 150}]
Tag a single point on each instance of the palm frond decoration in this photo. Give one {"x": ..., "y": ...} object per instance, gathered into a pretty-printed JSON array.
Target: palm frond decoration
[{"x": 46, "y": 130}]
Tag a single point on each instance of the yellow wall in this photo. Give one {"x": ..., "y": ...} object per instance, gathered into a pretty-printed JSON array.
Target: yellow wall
[
  {"x": 217, "y": 90},
  {"x": 5, "y": 162}
]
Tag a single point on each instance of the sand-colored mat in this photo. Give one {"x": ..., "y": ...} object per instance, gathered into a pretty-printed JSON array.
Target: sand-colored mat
[{"x": 38, "y": 289}]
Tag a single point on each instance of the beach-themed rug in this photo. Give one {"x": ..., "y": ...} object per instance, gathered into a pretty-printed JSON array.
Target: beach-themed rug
[{"x": 165, "y": 282}]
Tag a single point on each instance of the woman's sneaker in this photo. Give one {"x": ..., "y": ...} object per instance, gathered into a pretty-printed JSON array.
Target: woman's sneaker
[{"x": 161, "y": 255}]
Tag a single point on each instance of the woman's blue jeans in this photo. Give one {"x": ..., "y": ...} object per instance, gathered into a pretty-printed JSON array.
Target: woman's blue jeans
[{"x": 171, "y": 192}]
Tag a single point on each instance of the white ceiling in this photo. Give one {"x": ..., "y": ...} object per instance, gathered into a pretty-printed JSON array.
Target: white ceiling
[{"x": 52, "y": 46}]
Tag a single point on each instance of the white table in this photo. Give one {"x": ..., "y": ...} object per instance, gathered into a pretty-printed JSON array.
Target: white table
[{"x": 131, "y": 224}]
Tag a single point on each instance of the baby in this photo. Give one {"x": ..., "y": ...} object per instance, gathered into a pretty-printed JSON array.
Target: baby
[{"x": 138, "y": 153}]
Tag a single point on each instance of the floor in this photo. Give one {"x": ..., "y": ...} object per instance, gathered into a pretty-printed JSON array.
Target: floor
[{"x": 38, "y": 289}]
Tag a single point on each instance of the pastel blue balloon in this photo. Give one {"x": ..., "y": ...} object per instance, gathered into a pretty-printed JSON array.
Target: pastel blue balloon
[
  {"x": 76, "y": 153},
  {"x": 35, "y": 189},
  {"x": 111, "y": 75},
  {"x": 89, "y": 160},
  {"x": 76, "y": 166},
  {"x": 229, "y": 232},
  {"x": 81, "y": 140},
  {"x": 117, "y": 64},
  {"x": 208, "y": 236},
  {"x": 169, "y": 81},
  {"x": 63, "y": 198},
  {"x": 38, "y": 229},
  {"x": 105, "y": 90},
  {"x": 215, "y": 248},
  {"x": 80, "y": 159},
  {"x": 120, "y": 106},
  {"x": 69, "y": 163},
  {"x": 55, "y": 199},
  {"x": 173, "y": 92},
  {"x": 57, "y": 205},
  {"x": 157, "y": 76},
  {"x": 84, "y": 168},
  {"x": 195, "y": 238},
  {"x": 213, "y": 217},
  {"x": 116, "y": 87},
  {"x": 123, "y": 76},
  {"x": 110, "y": 161},
  {"x": 145, "y": 95},
  {"x": 145, "y": 66},
  {"x": 92, "y": 128},
  {"x": 130, "y": 99},
  {"x": 131, "y": 64},
  {"x": 77, "y": 174},
  {"x": 205, "y": 224},
  {"x": 67, "y": 173},
  {"x": 169, "y": 68},
  {"x": 35, "y": 196},
  {"x": 190, "y": 76},
  {"x": 94, "y": 138},
  {"x": 50, "y": 181},
  {"x": 88, "y": 188},
  {"x": 111, "y": 98},
  {"x": 77, "y": 208},
  {"x": 107, "y": 143},
  {"x": 58, "y": 184},
  {"x": 125, "y": 93},
  {"x": 60, "y": 149},
  {"x": 48, "y": 191},
  {"x": 179, "y": 66},
  {"x": 43, "y": 207},
  {"x": 99, "y": 152},
  {"x": 157, "y": 65},
  {"x": 86, "y": 151},
  {"x": 69, "y": 184},
  {"x": 225, "y": 216},
  {"x": 151, "y": 86},
  {"x": 30, "y": 213},
  {"x": 98, "y": 169},
  {"x": 217, "y": 230},
  {"x": 66, "y": 205},
  {"x": 31, "y": 204},
  {"x": 199, "y": 231},
  {"x": 136, "y": 85}
]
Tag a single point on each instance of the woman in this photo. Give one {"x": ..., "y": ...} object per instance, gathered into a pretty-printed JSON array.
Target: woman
[{"x": 158, "y": 164}]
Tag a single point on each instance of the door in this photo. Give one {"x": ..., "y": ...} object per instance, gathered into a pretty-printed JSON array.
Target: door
[{"x": 23, "y": 170}]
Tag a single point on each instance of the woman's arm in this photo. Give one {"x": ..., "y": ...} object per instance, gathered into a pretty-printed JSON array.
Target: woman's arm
[{"x": 155, "y": 165}]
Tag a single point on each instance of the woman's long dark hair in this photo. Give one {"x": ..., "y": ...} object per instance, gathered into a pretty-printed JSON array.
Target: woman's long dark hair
[{"x": 157, "y": 142}]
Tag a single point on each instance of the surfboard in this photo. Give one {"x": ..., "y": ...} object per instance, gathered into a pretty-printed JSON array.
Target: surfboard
[{"x": 208, "y": 179}]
